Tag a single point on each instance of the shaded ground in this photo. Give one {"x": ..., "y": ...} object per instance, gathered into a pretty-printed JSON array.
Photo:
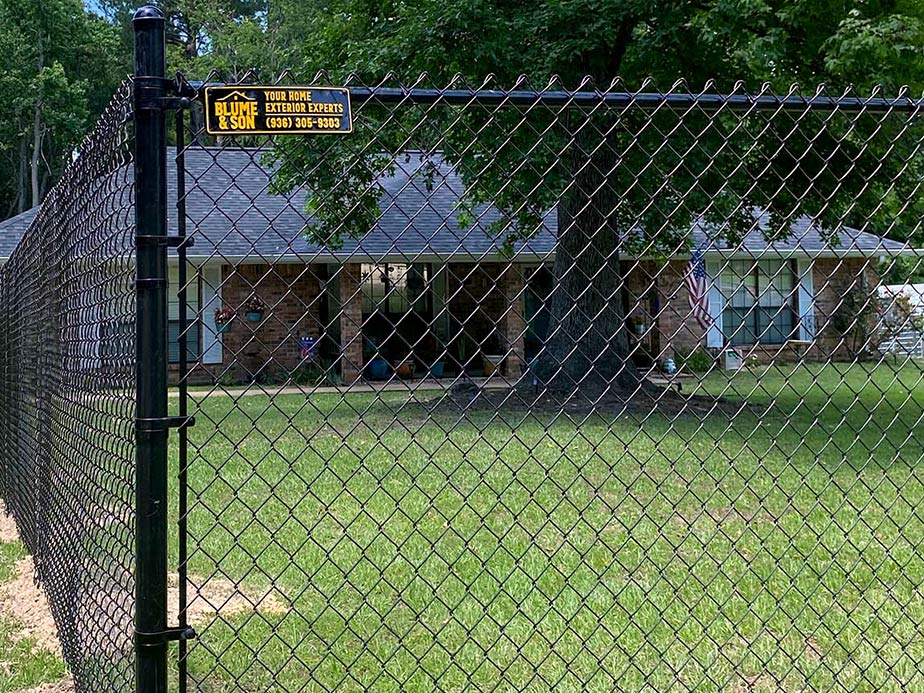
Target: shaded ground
[
  {"x": 646, "y": 400},
  {"x": 27, "y": 620}
]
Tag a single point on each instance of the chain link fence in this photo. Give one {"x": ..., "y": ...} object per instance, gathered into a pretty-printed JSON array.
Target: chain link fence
[
  {"x": 529, "y": 389},
  {"x": 67, "y": 407},
  {"x": 511, "y": 389}
]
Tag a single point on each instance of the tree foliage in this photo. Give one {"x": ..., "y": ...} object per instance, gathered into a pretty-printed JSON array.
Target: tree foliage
[
  {"x": 58, "y": 68},
  {"x": 621, "y": 179},
  {"x": 722, "y": 45}
]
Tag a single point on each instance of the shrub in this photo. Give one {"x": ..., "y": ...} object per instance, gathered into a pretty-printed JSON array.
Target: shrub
[
  {"x": 316, "y": 373},
  {"x": 856, "y": 316},
  {"x": 696, "y": 361}
]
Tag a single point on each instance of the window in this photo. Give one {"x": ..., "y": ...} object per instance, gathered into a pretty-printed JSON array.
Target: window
[
  {"x": 193, "y": 340},
  {"x": 395, "y": 288},
  {"x": 759, "y": 301},
  {"x": 194, "y": 330}
]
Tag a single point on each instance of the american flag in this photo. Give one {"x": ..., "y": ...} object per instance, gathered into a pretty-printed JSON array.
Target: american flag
[{"x": 698, "y": 288}]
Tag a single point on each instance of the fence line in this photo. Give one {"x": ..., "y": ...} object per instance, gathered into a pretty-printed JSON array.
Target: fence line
[
  {"x": 67, "y": 432},
  {"x": 668, "y": 448}
]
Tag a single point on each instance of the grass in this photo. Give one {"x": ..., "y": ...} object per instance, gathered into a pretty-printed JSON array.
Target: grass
[
  {"x": 779, "y": 550},
  {"x": 23, "y": 664}
]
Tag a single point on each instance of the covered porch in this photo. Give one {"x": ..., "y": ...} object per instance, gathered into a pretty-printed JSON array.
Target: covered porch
[
  {"x": 414, "y": 319},
  {"x": 430, "y": 319}
]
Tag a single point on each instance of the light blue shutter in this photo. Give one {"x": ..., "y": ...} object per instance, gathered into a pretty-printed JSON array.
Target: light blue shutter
[
  {"x": 806, "y": 300},
  {"x": 211, "y": 300},
  {"x": 714, "y": 337}
]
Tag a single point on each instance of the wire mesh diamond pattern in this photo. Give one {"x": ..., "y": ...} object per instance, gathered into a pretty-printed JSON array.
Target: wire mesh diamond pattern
[
  {"x": 533, "y": 389},
  {"x": 513, "y": 388},
  {"x": 68, "y": 401}
]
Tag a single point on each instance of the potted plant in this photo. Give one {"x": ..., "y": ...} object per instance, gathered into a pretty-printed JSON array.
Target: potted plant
[
  {"x": 404, "y": 368},
  {"x": 223, "y": 318},
  {"x": 431, "y": 355},
  {"x": 254, "y": 307},
  {"x": 465, "y": 348},
  {"x": 492, "y": 363},
  {"x": 376, "y": 365}
]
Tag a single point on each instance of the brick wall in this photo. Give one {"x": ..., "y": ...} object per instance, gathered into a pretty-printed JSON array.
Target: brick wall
[
  {"x": 483, "y": 299},
  {"x": 293, "y": 295},
  {"x": 679, "y": 332},
  {"x": 832, "y": 279},
  {"x": 351, "y": 320},
  {"x": 485, "y": 302},
  {"x": 672, "y": 328}
]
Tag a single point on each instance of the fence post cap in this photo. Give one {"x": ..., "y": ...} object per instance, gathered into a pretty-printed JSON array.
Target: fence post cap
[{"x": 147, "y": 13}]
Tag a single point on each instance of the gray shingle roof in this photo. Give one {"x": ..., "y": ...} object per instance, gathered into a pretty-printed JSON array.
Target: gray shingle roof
[
  {"x": 230, "y": 210},
  {"x": 232, "y": 213},
  {"x": 230, "y": 206},
  {"x": 806, "y": 236},
  {"x": 13, "y": 229}
]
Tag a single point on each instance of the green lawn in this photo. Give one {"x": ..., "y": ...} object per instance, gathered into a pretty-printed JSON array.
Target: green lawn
[{"x": 776, "y": 551}]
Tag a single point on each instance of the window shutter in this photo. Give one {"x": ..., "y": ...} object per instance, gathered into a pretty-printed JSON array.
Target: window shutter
[
  {"x": 806, "y": 300},
  {"x": 211, "y": 300},
  {"x": 714, "y": 337}
]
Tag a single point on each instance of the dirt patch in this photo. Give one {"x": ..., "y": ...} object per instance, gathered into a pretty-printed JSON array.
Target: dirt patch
[
  {"x": 8, "y": 531},
  {"x": 62, "y": 686},
  {"x": 646, "y": 400},
  {"x": 206, "y": 598},
  {"x": 813, "y": 651},
  {"x": 24, "y": 601},
  {"x": 759, "y": 683}
]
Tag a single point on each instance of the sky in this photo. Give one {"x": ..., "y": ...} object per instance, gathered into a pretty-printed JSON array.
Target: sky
[{"x": 93, "y": 6}]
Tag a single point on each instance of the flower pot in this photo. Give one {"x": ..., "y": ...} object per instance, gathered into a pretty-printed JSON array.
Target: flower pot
[
  {"x": 492, "y": 363},
  {"x": 405, "y": 369},
  {"x": 223, "y": 327},
  {"x": 377, "y": 369},
  {"x": 254, "y": 316},
  {"x": 437, "y": 369}
]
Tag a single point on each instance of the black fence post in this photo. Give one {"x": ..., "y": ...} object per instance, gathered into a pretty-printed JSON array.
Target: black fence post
[{"x": 150, "y": 352}]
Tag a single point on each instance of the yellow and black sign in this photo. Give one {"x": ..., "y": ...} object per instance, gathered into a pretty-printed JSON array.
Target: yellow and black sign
[{"x": 249, "y": 110}]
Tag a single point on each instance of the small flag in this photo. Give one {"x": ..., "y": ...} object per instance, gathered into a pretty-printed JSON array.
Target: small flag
[{"x": 698, "y": 288}]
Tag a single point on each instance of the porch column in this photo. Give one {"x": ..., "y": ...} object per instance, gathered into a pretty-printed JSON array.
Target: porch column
[
  {"x": 351, "y": 320},
  {"x": 513, "y": 323}
]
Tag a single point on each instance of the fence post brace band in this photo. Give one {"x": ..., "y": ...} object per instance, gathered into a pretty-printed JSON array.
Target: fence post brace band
[
  {"x": 159, "y": 638},
  {"x": 163, "y": 424}
]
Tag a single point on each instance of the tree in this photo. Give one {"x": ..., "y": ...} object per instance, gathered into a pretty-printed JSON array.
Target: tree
[
  {"x": 206, "y": 39},
  {"x": 58, "y": 68},
  {"x": 610, "y": 181},
  {"x": 227, "y": 36}
]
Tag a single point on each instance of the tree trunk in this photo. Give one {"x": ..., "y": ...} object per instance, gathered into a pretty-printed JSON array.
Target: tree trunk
[
  {"x": 23, "y": 168},
  {"x": 36, "y": 153},
  {"x": 37, "y": 130},
  {"x": 587, "y": 348}
]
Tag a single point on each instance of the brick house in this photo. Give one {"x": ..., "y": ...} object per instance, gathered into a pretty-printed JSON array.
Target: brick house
[{"x": 421, "y": 288}]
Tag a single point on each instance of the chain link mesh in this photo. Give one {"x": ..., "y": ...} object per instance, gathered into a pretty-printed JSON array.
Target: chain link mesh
[
  {"x": 535, "y": 390},
  {"x": 67, "y": 399}
]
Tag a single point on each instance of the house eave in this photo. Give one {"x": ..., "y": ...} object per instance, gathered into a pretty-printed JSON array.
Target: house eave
[{"x": 528, "y": 257}]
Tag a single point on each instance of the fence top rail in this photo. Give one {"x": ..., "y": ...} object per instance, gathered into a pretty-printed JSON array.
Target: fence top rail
[{"x": 642, "y": 100}]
